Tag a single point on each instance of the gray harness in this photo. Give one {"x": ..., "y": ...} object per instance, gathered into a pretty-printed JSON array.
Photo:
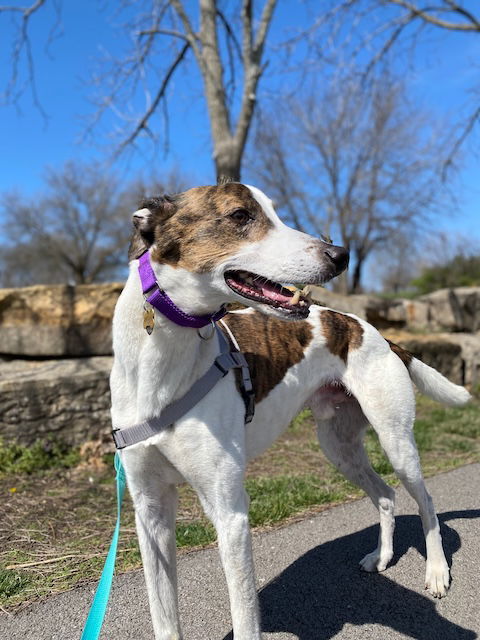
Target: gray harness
[{"x": 229, "y": 358}]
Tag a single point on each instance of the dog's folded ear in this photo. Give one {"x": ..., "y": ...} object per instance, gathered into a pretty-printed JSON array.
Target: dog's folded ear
[{"x": 152, "y": 212}]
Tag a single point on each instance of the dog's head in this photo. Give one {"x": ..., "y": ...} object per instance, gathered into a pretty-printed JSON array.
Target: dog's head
[{"x": 217, "y": 244}]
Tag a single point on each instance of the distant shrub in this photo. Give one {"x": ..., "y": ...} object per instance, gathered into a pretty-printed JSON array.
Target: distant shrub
[
  {"x": 461, "y": 271},
  {"x": 16, "y": 458}
]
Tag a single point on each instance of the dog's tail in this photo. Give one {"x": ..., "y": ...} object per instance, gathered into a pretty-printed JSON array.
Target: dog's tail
[{"x": 429, "y": 381}]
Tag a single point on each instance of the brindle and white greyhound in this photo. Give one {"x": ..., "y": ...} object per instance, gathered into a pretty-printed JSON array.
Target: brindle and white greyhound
[{"x": 219, "y": 244}]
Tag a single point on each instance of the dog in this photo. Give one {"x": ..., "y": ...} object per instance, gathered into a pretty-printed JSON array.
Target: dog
[{"x": 222, "y": 244}]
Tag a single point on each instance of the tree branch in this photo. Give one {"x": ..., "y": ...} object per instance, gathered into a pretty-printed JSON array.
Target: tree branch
[
  {"x": 21, "y": 43},
  {"x": 164, "y": 32},
  {"x": 263, "y": 27},
  {"x": 26, "y": 11},
  {"x": 463, "y": 12},
  {"x": 427, "y": 17},
  {"x": 474, "y": 118},
  {"x": 247, "y": 36},
  {"x": 252, "y": 55},
  {"x": 142, "y": 124},
  {"x": 190, "y": 33}
]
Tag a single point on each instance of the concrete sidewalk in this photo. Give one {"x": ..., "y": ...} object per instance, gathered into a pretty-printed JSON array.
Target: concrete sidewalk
[{"x": 310, "y": 584}]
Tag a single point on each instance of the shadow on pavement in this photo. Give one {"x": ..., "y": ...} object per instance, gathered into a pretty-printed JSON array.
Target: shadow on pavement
[{"x": 325, "y": 589}]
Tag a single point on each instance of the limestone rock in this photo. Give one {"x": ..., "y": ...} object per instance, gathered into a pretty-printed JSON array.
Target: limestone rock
[
  {"x": 380, "y": 312},
  {"x": 67, "y": 400},
  {"x": 457, "y": 355},
  {"x": 57, "y": 320},
  {"x": 470, "y": 349},
  {"x": 444, "y": 310},
  {"x": 454, "y": 309}
]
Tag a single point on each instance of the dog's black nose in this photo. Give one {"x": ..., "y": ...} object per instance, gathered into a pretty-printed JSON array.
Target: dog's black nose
[{"x": 339, "y": 256}]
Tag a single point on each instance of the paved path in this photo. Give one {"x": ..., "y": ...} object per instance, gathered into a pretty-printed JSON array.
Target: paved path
[{"x": 310, "y": 586}]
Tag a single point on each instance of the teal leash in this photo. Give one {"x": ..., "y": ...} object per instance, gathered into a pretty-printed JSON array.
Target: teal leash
[{"x": 93, "y": 625}]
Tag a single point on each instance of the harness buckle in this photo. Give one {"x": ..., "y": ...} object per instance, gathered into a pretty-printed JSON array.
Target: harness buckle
[
  {"x": 118, "y": 439},
  {"x": 225, "y": 362}
]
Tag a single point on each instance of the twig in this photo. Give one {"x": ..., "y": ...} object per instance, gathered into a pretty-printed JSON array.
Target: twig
[
  {"x": 144, "y": 120},
  {"x": 50, "y": 560},
  {"x": 5, "y": 611}
]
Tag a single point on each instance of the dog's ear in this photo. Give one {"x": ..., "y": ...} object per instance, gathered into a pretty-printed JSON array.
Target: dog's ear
[{"x": 152, "y": 212}]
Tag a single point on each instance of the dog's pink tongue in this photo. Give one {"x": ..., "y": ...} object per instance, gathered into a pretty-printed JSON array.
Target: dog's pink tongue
[{"x": 271, "y": 292}]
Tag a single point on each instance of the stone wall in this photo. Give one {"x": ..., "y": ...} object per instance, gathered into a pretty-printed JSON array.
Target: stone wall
[
  {"x": 66, "y": 399},
  {"x": 57, "y": 321},
  {"x": 452, "y": 310},
  {"x": 55, "y": 351}
]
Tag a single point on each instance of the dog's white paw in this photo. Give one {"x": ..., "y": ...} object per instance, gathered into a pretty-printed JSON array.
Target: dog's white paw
[
  {"x": 375, "y": 561},
  {"x": 437, "y": 578}
]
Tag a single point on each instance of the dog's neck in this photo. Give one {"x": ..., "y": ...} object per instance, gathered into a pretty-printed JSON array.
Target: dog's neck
[
  {"x": 163, "y": 303},
  {"x": 191, "y": 292}
]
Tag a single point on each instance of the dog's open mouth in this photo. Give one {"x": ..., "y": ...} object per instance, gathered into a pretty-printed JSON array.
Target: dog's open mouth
[{"x": 260, "y": 289}]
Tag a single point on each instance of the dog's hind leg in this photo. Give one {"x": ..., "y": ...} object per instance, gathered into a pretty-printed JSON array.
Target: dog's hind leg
[
  {"x": 391, "y": 413},
  {"x": 341, "y": 438},
  {"x": 402, "y": 453},
  {"x": 155, "y": 504}
]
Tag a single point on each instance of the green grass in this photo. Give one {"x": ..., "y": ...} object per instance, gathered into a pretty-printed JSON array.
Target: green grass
[
  {"x": 12, "y": 583},
  {"x": 195, "y": 534},
  {"x": 275, "y": 499},
  {"x": 42, "y": 455},
  {"x": 57, "y": 520}
]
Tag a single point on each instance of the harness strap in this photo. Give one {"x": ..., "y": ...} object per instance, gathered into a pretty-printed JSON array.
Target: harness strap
[
  {"x": 225, "y": 361},
  {"x": 246, "y": 387}
]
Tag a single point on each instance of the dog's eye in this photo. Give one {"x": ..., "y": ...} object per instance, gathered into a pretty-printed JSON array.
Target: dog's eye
[{"x": 242, "y": 216}]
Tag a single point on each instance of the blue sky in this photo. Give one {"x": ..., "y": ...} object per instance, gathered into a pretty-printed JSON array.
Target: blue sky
[{"x": 445, "y": 67}]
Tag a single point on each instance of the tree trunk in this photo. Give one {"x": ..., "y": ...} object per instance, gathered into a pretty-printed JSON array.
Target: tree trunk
[
  {"x": 355, "y": 286},
  {"x": 227, "y": 162},
  {"x": 340, "y": 284}
]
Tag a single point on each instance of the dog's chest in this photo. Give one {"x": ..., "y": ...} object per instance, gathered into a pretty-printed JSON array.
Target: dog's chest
[{"x": 271, "y": 347}]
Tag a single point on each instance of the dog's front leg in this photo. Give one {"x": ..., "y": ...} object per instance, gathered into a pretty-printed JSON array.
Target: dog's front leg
[
  {"x": 234, "y": 543},
  {"x": 220, "y": 487},
  {"x": 155, "y": 505}
]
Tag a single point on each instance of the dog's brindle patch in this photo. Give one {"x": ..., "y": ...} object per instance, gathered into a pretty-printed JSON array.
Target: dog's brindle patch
[
  {"x": 405, "y": 356},
  {"x": 196, "y": 231},
  {"x": 341, "y": 332},
  {"x": 270, "y": 346}
]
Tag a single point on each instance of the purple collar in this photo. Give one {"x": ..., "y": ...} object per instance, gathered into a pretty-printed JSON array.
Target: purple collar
[{"x": 160, "y": 301}]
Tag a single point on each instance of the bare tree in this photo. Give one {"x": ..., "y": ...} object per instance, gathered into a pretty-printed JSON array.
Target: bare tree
[
  {"x": 369, "y": 31},
  {"x": 358, "y": 168},
  {"x": 76, "y": 232},
  {"x": 21, "y": 49},
  {"x": 166, "y": 35},
  {"x": 171, "y": 26},
  {"x": 397, "y": 264}
]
